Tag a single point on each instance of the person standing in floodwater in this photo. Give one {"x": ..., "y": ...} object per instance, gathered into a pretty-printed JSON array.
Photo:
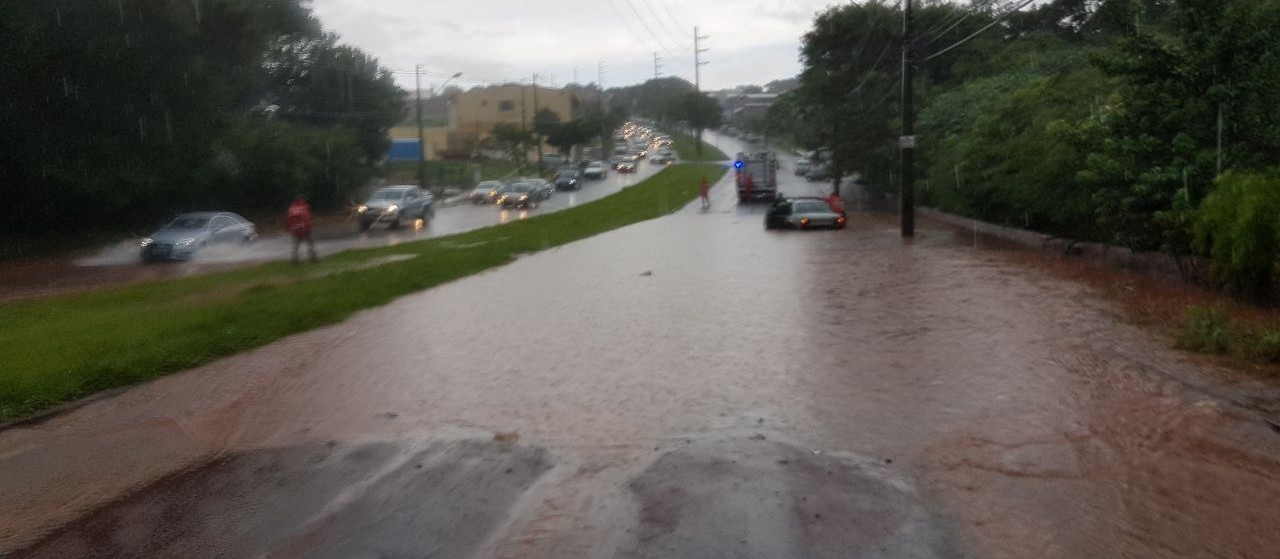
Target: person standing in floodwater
[
  {"x": 299, "y": 221},
  {"x": 704, "y": 190}
]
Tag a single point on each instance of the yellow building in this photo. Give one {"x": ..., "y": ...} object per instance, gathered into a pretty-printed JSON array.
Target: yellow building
[{"x": 474, "y": 113}]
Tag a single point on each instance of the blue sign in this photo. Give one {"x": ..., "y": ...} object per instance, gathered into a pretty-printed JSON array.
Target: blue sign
[{"x": 404, "y": 150}]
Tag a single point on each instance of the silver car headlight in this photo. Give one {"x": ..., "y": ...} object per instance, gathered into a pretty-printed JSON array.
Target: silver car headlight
[
  {"x": 362, "y": 208},
  {"x": 391, "y": 209},
  {"x": 185, "y": 242},
  {"x": 145, "y": 241}
]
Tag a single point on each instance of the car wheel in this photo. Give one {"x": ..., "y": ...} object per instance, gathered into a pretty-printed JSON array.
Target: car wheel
[{"x": 396, "y": 223}]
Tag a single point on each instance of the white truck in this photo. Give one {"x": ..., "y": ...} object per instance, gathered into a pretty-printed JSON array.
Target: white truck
[{"x": 756, "y": 176}]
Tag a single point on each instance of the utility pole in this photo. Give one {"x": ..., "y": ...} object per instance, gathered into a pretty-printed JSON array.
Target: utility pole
[
  {"x": 422, "y": 142},
  {"x": 657, "y": 66},
  {"x": 908, "y": 140},
  {"x": 604, "y": 132},
  {"x": 697, "y": 58},
  {"x": 537, "y": 137}
]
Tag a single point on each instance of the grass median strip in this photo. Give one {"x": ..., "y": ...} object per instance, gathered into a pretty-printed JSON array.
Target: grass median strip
[
  {"x": 685, "y": 149},
  {"x": 62, "y": 348}
]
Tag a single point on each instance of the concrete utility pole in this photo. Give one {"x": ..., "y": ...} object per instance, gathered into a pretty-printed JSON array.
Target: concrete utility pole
[
  {"x": 697, "y": 58},
  {"x": 657, "y": 66},
  {"x": 536, "y": 135},
  {"x": 422, "y": 137},
  {"x": 908, "y": 140},
  {"x": 604, "y": 132}
]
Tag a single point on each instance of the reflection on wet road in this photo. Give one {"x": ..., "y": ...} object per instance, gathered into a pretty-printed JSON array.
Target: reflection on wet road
[
  {"x": 693, "y": 386},
  {"x": 119, "y": 263}
]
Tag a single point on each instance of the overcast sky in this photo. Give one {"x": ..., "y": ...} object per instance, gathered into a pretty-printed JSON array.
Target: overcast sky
[{"x": 751, "y": 41}]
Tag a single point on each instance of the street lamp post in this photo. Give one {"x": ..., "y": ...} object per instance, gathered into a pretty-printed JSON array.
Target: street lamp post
[{"x": 422, "y": 139}]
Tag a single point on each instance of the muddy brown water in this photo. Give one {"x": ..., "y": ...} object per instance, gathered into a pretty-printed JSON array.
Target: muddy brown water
[{"x": 673, "y": 389}]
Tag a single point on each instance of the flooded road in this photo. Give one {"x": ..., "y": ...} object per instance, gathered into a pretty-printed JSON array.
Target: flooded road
[
  {"x": 692, "y": 386},
  {"x": 119, "y": 263}
]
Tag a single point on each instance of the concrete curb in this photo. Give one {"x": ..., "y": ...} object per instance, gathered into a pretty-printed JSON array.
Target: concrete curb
[{"x": 1187, "y": 268}]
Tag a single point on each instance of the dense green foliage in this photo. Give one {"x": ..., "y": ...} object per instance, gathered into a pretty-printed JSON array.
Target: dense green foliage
[
  {"x": 1102, "y": 120},
  {"x": 689, "y": 148},
  {"x": 696, "y": 111},
  {"x": 61, "y": 348},
  {"x": 1239, "y": 230},
  {"x": 119, "y": 111}
]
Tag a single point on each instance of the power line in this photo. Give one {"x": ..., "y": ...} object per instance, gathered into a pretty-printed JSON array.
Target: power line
[
  {"x": 625, "y": 22},
  {"x": 998, "y": 19},
  {"x": 958, "y": 21},
  {"x": 663, "y": 25},
  {"x": 672, "y": 16},
  {"x": 649, "y": 29}
]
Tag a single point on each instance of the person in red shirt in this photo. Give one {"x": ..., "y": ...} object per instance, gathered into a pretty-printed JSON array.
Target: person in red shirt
[
  {"x": 299, "y": 221},
  {"x": 704, "y": 189},
  {"x": 836, "y": 204}
]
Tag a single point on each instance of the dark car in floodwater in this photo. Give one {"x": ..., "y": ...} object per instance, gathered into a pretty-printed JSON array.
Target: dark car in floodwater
[
  {"x": 802, "y": 213},
  {"x": 186, "y": 234}
]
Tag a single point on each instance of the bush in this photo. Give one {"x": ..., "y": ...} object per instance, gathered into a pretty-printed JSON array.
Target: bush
[
  {"x": 1238, "y": 228},
  {"x": 1207, "y": 330}
]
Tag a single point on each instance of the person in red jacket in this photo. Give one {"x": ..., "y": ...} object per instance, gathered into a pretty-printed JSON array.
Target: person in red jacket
[
  {"x": 299, "y": 221},
  {"x": 836, "y": 204},
  {"x": 704, "y": 189}
]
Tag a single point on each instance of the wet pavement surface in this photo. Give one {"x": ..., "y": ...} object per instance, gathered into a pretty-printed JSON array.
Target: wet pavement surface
[
  {"x": 692, "y": 386},
  {"x": 119, "y": 263}
]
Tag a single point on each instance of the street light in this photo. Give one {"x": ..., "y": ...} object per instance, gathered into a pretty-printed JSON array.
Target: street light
[{"x": 422, "y": 140}]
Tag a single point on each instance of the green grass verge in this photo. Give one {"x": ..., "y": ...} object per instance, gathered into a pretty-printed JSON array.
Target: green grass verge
[
  {"x": 62, "y": 348},
  {"x": 686, "y": 149},
  {"x": 1213, "y": 330}
]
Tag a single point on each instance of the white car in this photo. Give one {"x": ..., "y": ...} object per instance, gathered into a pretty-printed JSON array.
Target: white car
[
  {"x": 596, "y": 170},
  {"x": 803, "y": 166}
]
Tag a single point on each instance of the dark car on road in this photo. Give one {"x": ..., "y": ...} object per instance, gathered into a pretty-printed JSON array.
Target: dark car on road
[
  {"x": 519, "y": 195},
  {"x": 802, "y": 213},
  {"x": 186, "y": 234},
  {"x": 541, "y": 187},
  {"x": 393, "y": 205},
  {"x": 485, "y": 192},
  {"x": 568, "y": 180},
  {"x": 627, "y": 167}
]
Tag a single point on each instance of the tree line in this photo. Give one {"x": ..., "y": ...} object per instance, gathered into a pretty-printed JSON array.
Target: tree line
[
  {"x": 117, "y": 113},
  {"x": 1150, "y": 124}
]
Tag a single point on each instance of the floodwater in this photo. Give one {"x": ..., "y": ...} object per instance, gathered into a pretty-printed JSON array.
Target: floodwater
[
  {"x": 693, "y": 386},
  {"x": 119, "y": 263}
]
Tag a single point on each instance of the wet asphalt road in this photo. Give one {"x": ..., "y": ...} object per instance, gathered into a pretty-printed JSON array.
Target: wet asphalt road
[
  {"x": 692, "y": 386},
  {"x": 119, "y": 263}
]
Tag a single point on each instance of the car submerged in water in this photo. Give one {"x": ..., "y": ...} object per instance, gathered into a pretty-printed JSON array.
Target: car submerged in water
[
  {"x": 186, "y": 234},
  {"x": 802, "y": 213}
]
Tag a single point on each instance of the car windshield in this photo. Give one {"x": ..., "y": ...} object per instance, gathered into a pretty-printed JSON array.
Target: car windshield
[
  {"x": 809, "y": 207},
  {"x": 188, "y": 222},
  {"x": 486, "y": 187},
  {"x": 569, "y": 175},
  {"x": 388, "y": 195}
]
